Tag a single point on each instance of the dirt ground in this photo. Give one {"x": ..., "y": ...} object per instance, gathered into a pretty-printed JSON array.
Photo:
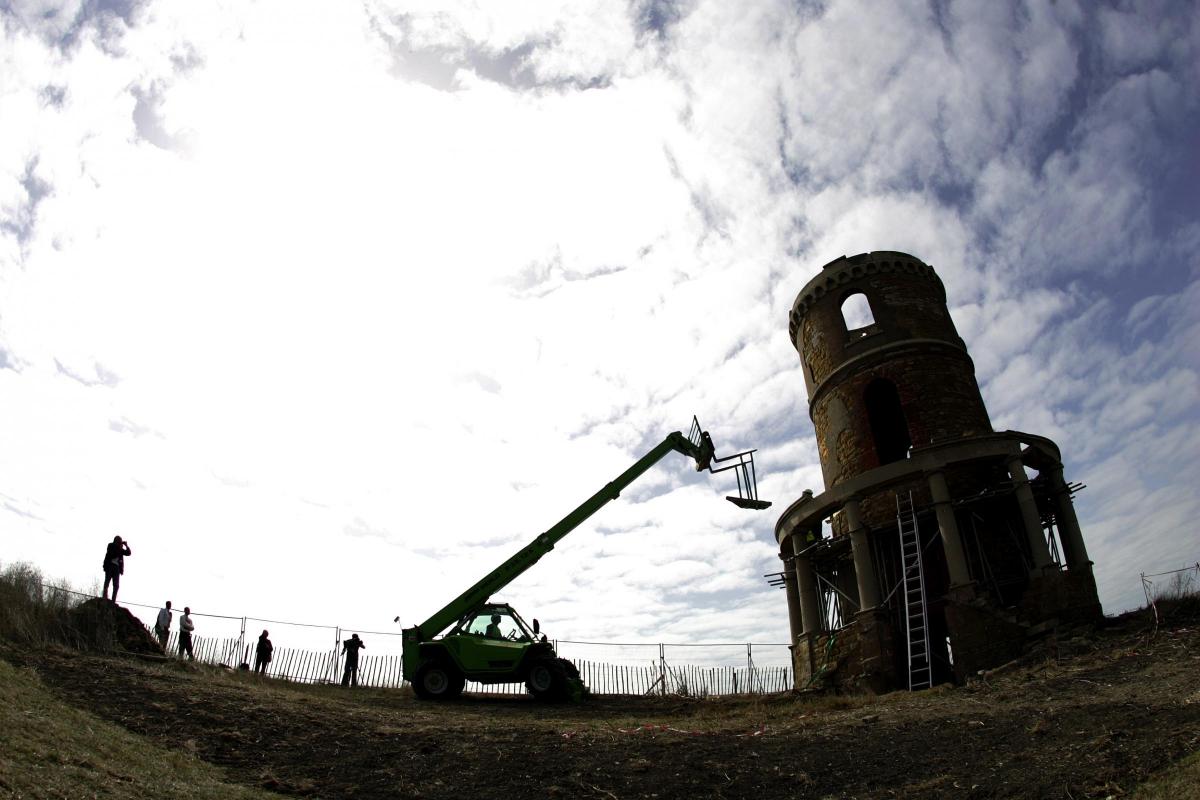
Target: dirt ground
[{"x": 1105, "y": 712}]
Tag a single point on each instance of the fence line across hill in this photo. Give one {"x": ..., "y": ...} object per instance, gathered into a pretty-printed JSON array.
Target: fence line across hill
[
  {"x": 639, "y": 676},
  {"x": 385, "y": 672},
  {"x": 1182, "y": 582}
]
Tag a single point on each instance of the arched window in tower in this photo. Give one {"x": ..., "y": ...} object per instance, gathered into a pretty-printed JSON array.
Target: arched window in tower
[
  {"x": 889, "y": 428},
  {"x": 856, "y": 314}
]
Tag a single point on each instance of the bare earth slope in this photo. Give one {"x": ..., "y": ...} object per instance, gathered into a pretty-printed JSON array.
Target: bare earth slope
[{"x": 1097, "y": 721}]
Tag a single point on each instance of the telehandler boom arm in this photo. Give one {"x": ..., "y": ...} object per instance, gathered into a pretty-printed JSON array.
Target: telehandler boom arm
[{"x": 529, "y": 555}]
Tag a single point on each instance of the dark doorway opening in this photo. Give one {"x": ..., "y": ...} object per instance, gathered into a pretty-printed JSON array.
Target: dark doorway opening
[{"x": 889, "y": 428}]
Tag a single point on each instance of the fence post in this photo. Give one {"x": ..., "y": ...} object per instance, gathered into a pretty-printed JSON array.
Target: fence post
[
  {"x": 242, "y": 640},
  {"x": 337, "y": 637},
  {"x": 662, "y": 669},
  {"x": 749, "y": 668}
]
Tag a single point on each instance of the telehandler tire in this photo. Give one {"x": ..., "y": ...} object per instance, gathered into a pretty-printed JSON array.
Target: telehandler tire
[
  {"x": 547, "y": 680},
  {"x": 436, "y": 680}
]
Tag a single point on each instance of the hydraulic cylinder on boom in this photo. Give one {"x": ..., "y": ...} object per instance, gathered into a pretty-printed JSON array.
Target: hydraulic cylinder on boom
[{"x": 490, "y": 643}]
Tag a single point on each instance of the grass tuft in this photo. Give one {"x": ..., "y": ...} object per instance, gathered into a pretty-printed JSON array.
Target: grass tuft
[{"x": 32, "y": 613}]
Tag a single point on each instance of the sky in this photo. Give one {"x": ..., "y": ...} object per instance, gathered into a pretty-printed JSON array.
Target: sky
[{"x": 328, "y": 308}]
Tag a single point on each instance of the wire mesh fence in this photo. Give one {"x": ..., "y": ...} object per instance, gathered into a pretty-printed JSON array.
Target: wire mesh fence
[
  {"x": 292, "y": 663},
  {"x": 657, "y": 677},
  {"x": 687, "y": 680},
  {"x": 1175, "y": 586},
  {"x": 695, "y": 669}
]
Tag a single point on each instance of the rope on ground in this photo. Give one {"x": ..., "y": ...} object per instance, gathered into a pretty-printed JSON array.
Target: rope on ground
[{"x": 653, "y": 730}]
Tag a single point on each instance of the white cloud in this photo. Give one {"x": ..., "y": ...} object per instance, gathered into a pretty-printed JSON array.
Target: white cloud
[{"x": 327, "y": 337}]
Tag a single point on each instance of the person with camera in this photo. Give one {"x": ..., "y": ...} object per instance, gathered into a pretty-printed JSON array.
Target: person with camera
[
  {"x": 114, "y": 565},
  {"x": 350, "y": 648}
]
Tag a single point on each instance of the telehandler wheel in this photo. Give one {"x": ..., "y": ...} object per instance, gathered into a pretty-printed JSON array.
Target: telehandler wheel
[
  {"x": 436, "y": 680},
  {"x": 541, "y": 677},
  {"x": 547, "y": 680}
]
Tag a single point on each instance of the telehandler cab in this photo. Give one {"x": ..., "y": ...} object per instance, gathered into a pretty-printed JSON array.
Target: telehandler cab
[{"x": 490, "y": 643}]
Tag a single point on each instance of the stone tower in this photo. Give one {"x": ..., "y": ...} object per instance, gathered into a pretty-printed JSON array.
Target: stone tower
[{"x": 905, "y": 440}]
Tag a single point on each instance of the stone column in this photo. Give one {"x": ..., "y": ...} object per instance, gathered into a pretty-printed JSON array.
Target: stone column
[
  {"x": 806, "y": 584},
  {"x": 864, "y": 568},
  {"x": 1068, "y": 524},
  {"x": 795, "y": 625},
  {"x": 956, "y": 559},
  {"x": 1029, "y": 514}
]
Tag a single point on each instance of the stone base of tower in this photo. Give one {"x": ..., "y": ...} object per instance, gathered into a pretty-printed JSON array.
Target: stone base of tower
[
  {"x": 1063, "y": 596},
  {"x": 867, "y": 655},
  {"x": 859, "y": 657},
  {"x": 804, "y": 660},
  {"x": 877, "y": 655},
  {"x": 981, "y": 637}
]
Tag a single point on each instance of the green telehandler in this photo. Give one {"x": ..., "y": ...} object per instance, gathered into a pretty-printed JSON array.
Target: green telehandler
[{"x": 490, "y": 643}]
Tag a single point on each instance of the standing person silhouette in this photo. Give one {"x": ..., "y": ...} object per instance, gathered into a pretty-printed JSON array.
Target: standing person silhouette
[
  {"x": 262, "y": 654},
  {"x": 162, "y": 626},
  {"x": 351, "y": 647},
  {"x": 114, "y": 565},
  {"x": 186, "y": 626}
]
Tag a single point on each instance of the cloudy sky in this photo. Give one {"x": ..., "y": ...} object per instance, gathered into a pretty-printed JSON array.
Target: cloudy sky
[{"x": 328, "y": 307}]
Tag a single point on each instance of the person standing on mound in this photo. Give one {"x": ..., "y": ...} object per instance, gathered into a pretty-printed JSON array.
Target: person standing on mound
[{"x": 114, "y": 565}]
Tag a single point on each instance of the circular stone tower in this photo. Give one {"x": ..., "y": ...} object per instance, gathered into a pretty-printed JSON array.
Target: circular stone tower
[
  {"x": 941, "y": 549},
  {"x": 885, "y": 368}
]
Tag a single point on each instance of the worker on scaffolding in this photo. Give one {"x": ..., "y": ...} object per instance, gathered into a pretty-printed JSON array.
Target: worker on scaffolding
[{"x": 707, "y": 451}]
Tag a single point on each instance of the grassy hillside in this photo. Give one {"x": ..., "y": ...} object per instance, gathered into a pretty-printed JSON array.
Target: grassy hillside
[{"x": 49, "y": 749}]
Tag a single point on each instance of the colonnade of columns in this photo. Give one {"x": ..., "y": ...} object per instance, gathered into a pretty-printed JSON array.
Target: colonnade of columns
[
  {"x": 1068, "y": 524},
  {"x": 800, "y": 581},
  {"x": 800, "y": 586},
  {"x": 1070, "y": 536},
  {"x": 1029, "y": 514}
]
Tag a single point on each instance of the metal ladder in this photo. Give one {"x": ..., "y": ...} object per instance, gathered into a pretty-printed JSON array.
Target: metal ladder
[{"x": 920, "y": 676}]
